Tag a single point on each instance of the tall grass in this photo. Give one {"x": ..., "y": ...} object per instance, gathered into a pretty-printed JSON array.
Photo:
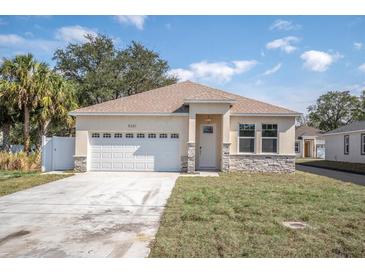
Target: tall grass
[{"x": 19, "y": 161}]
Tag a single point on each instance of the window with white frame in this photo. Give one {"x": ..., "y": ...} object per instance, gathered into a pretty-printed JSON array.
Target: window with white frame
[
  {"x": 163, "y": 135},
  {"x": 246, "y": 138},
  {"x": 297, "y": 147},
  {"x": 363, "y": 144},
  {"x": 174, "y": 136},
  {"x": 346, "y": 144},
  {"x": 269, "y": 138},
  {"x": 151, "y": 135},
  {"x": 118, "y": 135},
  {"x": 129, "y": 135},
  {"x": 95, "y": 135},
  {"x": 107, "y": 135},
  {"x": 140, "y": 135}
]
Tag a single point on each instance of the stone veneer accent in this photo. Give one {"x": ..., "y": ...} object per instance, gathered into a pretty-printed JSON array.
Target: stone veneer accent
[
  {"x": 262, "y": 163},
  {"x": 191, "y": 158},
  {"x": 80, "y": 163},
  {"x": 184, "y": 163},
  {"x": 225, "y": 157}
]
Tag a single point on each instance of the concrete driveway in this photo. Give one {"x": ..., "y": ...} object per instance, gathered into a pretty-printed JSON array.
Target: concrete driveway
[{"x": 88, "y": 215}]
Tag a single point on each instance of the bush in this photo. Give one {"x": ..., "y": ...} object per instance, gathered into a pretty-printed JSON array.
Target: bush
[{"x": 19, "y": 161}]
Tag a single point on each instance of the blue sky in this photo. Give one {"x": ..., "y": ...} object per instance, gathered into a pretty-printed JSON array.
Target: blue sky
[{"x": 285, "y": 60}]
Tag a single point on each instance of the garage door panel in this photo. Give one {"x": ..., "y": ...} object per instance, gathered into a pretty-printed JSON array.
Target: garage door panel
[{"x": 137, "y": 154}]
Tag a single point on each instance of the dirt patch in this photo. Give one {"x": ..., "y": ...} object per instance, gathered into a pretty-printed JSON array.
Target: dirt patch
[{"x": 14, "y": 235}]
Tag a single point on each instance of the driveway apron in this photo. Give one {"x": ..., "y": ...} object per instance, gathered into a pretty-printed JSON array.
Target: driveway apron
[{"x": 96, "y": 214}]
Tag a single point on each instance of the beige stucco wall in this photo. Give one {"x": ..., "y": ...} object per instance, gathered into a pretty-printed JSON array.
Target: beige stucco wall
[
  {"x": 208, "y": 108},
  {"x": 286, "y": 132},
  {"x": 335, "y": 148},
  {"x": 187, "y": 126},
  {"x": 168, "y": 124}
]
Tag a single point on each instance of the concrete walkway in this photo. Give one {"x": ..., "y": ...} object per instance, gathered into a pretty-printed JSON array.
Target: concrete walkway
[
  {"x": 87, "y": 215},
  {"x": 339, "y": 175}
]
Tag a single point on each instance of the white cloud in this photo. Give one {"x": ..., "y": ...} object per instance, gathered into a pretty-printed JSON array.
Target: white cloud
[
  {"x": 273, "y": 70},
  {"x": 216, "y": 71},
  {"x": 73, "y": 33},
  {"x": 10, "y": 39},
  {"x": 136, "y": 20},
  {"x": 318, "y": 60},
  {"x": 285, "y": 44},
  {"x": 358, "y": 45},
  {"x": 362, "y": 67},
  {"x": 284, "y": 25}
]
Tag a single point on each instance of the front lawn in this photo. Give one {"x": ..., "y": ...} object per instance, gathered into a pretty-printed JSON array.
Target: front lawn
[
  {"x": 13, "y": 181},
  {"x": 341, "y": 166},
  {"x": 241, "y": 215}
]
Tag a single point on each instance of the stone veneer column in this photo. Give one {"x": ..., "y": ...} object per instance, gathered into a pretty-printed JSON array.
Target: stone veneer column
[
  {"x": 225, "y": 157},
  {"x": 80, "y": 163},
  {"x": 191, "y": 157}
]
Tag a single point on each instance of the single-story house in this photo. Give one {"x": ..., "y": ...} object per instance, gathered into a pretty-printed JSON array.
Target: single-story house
[
  {"x": 185, "y": 127},
  {"x": 347, "y": 143},
  {"x": 309, "y": 142}
]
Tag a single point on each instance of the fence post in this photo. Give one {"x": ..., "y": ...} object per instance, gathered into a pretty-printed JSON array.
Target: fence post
[{"x": 43, "y": 152}]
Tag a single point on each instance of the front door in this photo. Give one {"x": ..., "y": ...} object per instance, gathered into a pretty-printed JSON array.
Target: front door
[
  {"x": 208, "y": 146},
  {"x": 306, "y": 148}
]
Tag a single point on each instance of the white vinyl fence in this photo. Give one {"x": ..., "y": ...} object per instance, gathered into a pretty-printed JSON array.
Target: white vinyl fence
[{"x": 57, "y": 153}]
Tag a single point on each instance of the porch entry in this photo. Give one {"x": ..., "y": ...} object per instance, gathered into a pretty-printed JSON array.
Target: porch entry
[
  {"x": 207, "y": 146},
  {"x": 307, "y": 149}
]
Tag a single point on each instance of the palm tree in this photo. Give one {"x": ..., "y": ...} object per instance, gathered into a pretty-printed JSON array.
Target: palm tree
[
  {"x": 24, "y": 81},
  {"x": 58, "y": 98}
]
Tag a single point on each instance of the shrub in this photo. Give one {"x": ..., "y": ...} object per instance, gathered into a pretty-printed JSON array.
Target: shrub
[{"x": 19, "y": 161}]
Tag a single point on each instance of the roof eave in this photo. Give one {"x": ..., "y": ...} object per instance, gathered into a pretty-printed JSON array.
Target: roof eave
[
  {"x": 210, "y": 101},
  {"x": 294, "y": 114},
  {"x": 343, "y": 132},
  {"x": 93, "y": 113}
]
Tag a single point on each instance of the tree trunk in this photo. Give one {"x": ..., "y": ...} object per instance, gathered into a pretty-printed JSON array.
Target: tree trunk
[
  {"x": 6, "y": 137},
  {"x": 26, "y": 129},
  {"x": 43, "y": 130}
]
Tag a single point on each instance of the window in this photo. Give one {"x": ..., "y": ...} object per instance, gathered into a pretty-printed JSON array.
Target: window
[
  {"x": 129, "y": 135},
  {"x": 163, "y": 135},
  {"x": 118, "y": 135},
  {"x": 297, "y": 147},
  {"x": 174, "y": 136},
  {"x": 151, "y": 135},
  {"x": 140, "y": 135},
  {"x": 95, "y": 135},
  {"x": 270, "y": 138},
  {"x": 107, "y": 135},
  {"x": 363, "y": 144},
  {"x": 207, "y": 129},
  {"x": 346, "y": 144},
  {"x": 246, "y": 138}
]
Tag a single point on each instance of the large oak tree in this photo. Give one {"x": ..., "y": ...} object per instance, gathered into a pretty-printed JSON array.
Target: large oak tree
[
  {"x": 334, "y": 109},
  {"x": 102, "y": 72}
]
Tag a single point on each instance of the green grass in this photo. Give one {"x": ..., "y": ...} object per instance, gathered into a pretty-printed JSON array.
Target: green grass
[
  {"x": 241, "y": 215},
  {"x": 342, "y": 166},
  {"x": 13, "y": 181}
]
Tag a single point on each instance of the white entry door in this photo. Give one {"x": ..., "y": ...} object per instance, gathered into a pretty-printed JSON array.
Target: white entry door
[
  {"x": 134, "y": 151},
  {"x": 208, "y": 146}
]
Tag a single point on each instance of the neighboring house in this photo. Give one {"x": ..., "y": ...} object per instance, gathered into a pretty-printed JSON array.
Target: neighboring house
[
  {"x": 347, "y": 143},
  {"x": 309, "y": 142},
  {"x": 185, "y": 127}
]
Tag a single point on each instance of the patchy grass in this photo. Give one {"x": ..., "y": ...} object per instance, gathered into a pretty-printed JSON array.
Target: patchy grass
[
  {"x": 241, "y": 215},
  {"x": 341, "y": 166},
  {"x": 13, "y": 181}
]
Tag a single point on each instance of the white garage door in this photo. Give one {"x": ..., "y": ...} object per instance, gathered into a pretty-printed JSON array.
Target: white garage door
[{"x": 135, "y": 151}]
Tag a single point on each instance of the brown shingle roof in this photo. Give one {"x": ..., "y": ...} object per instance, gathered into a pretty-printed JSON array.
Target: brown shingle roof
[
  {"x": 307, "y": 131},
  {"x": 170, "y": 99}
]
